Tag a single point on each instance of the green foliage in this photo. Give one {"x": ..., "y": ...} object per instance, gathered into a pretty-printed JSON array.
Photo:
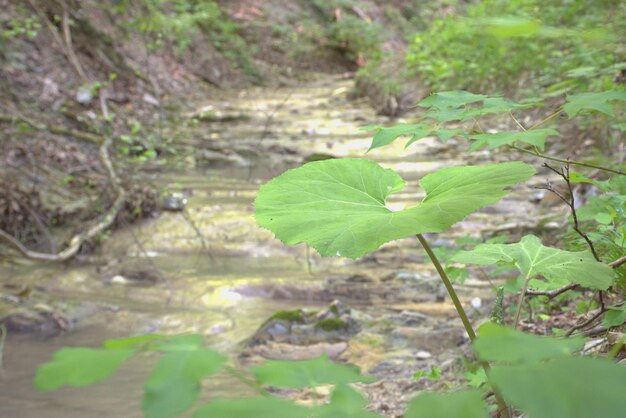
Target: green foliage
[
  {"x": 466, "y": 404},
  {"x": 502, "y": 344},
  {"x": 306, "y": 373},
  {"x": 561, "y": 388},
  {"x": 535, "y": 137},
  {"x": 80, "y": 367},
  {"x": 600, "y": 102},
  {"x": 178, "y": 22},
  {"x": 174, "y": 384},
  {"x": 338, "y": 206},
  {"x": 499, "y": 44},
  {"x": 533, "y": 259}
]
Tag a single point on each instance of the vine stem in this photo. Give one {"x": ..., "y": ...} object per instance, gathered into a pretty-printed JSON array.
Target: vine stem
[{"x": 502, "y": 406}]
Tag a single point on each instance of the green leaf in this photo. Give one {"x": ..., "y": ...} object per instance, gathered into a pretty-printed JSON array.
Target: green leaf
[
  {"x": 307, "y": 373},
  {"x": 465, "y": 404},
  {"x": 498, "y": 343},
  {"x": 79, "y": 367},
  {"x": 345, "y": 402},
  {"x": 453, "y": 98},
  {"x": 261, "y": 407},
  {"x": 510, "y": 26},
  {"x": 174, "y": 384},
  {"x": 593, "y": 101},
  {"x": 434, "y": 374},
  {"x": 536, "y": 137},
  {"x": 532, "y": 259},
  {"x": 338, "y": 206},
  {"x": 577, "y": 387},
  {"x": 614, "y": 317},
  {"x": 385, "y": 136}
]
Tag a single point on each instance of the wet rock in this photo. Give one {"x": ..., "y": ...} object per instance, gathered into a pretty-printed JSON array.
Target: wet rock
[
  {"x": 414, "y": 286},
  {"x": 209, "y": 114},
  {"x": 40, "y": 319},
  {"x": 299, "y": 327},
  {"x": 280, "y": 351},
  {"x": 132, "y": 276},
  {"x": 222, "y": 158},
  {"x": 175, "y": 202},
  {"x": 407, "y": 318}
]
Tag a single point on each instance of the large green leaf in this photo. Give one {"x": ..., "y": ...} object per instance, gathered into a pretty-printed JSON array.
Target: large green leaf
[
  {"x": 307, "y": 373},
  {"x": 570, "y": 387},
  {"x": 338, "y": 206},
  {"x": 464, "y": 404},
  {"x": 600, "y": 102},
  {"x": 498, "y": 343},
  {"x": 174, "y": 384},
  {"x": 461, "y": 105},
  {"x": 79, "y": 367},
  {"x": 533, "y": 259},
  {"x": 536, "y": 137},
  {"x": 260, "y": 407}
]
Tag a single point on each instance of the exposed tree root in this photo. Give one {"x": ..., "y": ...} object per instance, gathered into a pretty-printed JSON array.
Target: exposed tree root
[{"x": 103, "y": 223}]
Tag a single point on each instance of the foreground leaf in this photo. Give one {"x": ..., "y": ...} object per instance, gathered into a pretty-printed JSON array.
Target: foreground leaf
[
  {"x": 174, "y": 384},
  {"x": 498, "y": 343},
  {"x": 345, "y": 402},
  {"x": 532, "y": 259},
  {"x": 79, "y": 367},
  {"x": 261, "y": 407},
  {"x": 577, "y": 387},
  {"x": 465, "y": 404},
  {"x": 338, "y": 206},
  {"x": 307, "y": 373},
  {"x": 600, "y": 102}
]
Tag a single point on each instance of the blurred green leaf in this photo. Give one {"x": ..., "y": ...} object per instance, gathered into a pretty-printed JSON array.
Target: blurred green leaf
[
  {"x": 614, "y": 317},
  {"x": 571, "y": 387},
  {"x": 260, "y": 407},
  {"x": 499, "y": 343},
  {"x": 307, "y": 373},
  {"x": 79, "y": 367},
  {"x": 345, "y": 402},
  {"x": 600, "y": 102},
  {"x": 174, "y": 384},
  {"x": 464, "y": 404},
  {"x": 532, "y": 259}
]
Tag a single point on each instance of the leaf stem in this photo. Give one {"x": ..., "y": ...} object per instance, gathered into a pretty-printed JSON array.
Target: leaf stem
[
  {"x": 520, "y": 302},
  {"x": 550, "y": 117},
  {"x": 446, "y": 281},
  {"x": 502, "y": 406}
]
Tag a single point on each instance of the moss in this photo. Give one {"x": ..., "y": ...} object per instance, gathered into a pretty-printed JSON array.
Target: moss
[
  {"x": 295, "y": 315},
  {"x": 334, "y": 310},
  {"x": 331, "y": 324}
]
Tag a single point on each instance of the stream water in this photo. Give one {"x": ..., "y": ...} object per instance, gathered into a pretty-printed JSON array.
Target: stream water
[{"x": 211, "y": 270}]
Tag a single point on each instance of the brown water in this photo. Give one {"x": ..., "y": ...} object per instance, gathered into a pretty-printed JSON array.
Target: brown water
[{"x": 204, "y": 272}]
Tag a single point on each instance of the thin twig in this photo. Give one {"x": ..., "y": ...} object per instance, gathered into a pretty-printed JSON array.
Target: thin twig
[
  {"x": 586, "y": 323},
  {"x": 620, "y": 261},
  {"x": 561, "y": 160},
  {"x": 551, "y": 294},
  {"x": 564, "y": 173}
]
